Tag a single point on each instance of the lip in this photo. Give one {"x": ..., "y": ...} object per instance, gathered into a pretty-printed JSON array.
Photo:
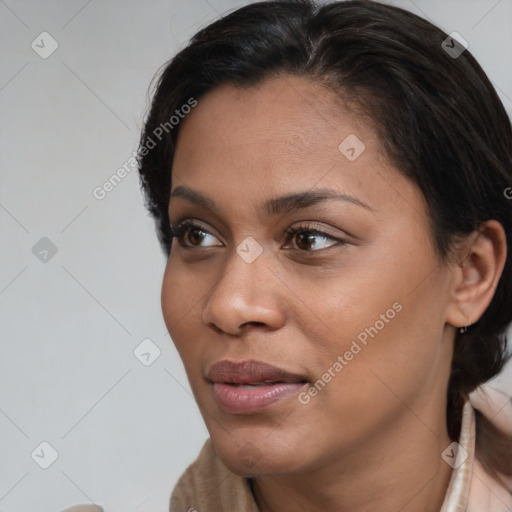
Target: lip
[{"x": 227, "y": 376}]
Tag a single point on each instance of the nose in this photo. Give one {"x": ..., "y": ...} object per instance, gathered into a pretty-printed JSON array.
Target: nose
[{"x": 245, "y": 294}]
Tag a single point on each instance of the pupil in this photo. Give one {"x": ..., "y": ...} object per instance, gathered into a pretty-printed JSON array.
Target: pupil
[
  {"x": 195, "y": 237},
  {"x": 307, "y": 239}
]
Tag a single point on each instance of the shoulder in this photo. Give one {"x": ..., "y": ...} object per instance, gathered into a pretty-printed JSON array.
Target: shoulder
[
  {"x": 488, "y": 492},
  {"x": 491, "y": 479}
]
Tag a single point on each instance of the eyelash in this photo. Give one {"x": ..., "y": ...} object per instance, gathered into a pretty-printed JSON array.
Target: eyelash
[{"x": 184, "y": 227}]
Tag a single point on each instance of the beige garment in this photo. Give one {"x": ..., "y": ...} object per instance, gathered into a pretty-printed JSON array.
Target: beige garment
[{"x": 207, "y": 485}]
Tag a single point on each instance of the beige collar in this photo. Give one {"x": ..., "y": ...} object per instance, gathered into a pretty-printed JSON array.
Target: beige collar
[{"x": 462, "y": 455}]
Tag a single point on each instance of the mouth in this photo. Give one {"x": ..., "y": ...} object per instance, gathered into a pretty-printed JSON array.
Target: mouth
[{"x": 249, "y": 387}]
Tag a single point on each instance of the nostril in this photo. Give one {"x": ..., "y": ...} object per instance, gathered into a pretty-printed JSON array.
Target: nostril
[
  {"x": 217, "y": 329},
  {"x": 256, "y": 324}
]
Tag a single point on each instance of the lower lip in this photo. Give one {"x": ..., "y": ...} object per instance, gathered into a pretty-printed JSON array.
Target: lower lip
[{"x": 234, "y": 400}]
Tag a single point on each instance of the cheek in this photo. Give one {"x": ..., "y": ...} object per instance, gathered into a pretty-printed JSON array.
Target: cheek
[
  {"x": 334, "y": 311},
  {"x": 379, "y": 320},
  {"x": 392, "y": 351},
  {"x": 180, "y": 300},
  {"x": 170, "y": 305}
]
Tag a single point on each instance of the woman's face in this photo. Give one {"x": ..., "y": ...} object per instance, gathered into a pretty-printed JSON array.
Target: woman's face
[{"x": 351, "y": 309}]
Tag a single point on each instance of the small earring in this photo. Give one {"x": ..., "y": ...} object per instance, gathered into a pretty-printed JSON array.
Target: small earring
[{"x": 464, "y": 329}]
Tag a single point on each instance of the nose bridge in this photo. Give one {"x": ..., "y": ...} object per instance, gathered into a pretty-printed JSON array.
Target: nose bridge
[
  {"x": 244, "y": 292},
  {"x": 238, "y": 278},
  {"x": 243, "y": 277},
  {"x": 246, "y": 267}
]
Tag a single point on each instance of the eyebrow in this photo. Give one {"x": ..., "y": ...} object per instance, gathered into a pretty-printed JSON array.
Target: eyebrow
[{"x": 276, "y": 205}]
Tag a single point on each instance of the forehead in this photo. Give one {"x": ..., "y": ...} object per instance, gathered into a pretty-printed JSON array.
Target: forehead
[
  {"x": 286, "y": 134},
  {"x": 286, "y": 115}
]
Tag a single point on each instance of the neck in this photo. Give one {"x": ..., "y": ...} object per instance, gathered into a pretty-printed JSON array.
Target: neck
[{"x": 399, "y": 469}]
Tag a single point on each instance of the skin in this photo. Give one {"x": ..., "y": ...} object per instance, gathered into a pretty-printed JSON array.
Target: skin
[{"x": 372, "y": 438}]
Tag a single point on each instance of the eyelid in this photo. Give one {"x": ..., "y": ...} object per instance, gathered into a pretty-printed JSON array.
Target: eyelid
[
  {"x": 178, "y": 230},
  {"x": 187, "y": 222},
  {"x": 314, "y": 228}
]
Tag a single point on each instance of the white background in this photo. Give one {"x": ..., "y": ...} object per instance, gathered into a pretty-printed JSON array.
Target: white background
[{"x": 124, "y": 432}]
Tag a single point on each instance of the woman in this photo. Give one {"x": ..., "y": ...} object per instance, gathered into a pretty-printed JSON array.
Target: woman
[{"x": 329, "y": 183}]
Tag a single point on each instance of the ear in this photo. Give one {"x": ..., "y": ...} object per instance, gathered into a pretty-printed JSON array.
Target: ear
[{"x": 476, "y": 273}]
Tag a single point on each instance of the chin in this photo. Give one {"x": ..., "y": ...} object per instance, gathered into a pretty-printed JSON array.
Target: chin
[{"x": 251, "y": 456}]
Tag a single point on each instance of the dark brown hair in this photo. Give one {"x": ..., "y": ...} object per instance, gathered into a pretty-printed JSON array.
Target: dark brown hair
[{"x": 437, "y": 115}]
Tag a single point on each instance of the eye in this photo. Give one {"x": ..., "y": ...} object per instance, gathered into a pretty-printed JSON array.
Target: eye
[
  {"x": 311, "y": 239},
  {"x": 190, "y": 235}
]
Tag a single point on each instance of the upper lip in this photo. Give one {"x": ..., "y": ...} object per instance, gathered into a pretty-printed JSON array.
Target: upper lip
[{"x": 246, "y": 372}]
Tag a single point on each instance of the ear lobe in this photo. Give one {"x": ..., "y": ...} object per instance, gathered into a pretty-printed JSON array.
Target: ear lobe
[{"x": 476, "y": 275}]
